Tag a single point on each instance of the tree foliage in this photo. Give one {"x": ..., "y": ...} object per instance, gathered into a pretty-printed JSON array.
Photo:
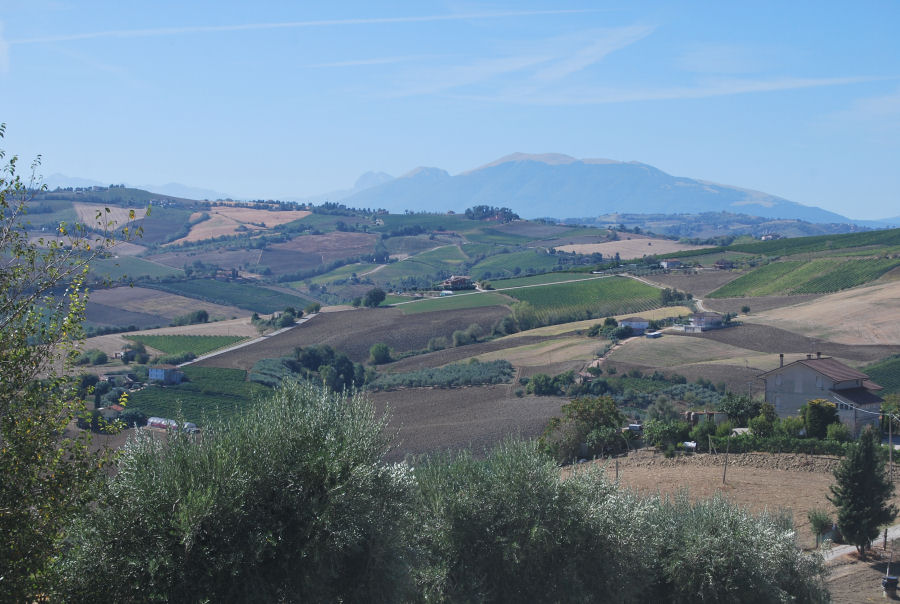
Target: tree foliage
[
  {"x": 289, "y": 502},
  {"x": 44, "y": 470},
  {"x": 374, "y": 297},
  {"x": 862, "y": 492}
]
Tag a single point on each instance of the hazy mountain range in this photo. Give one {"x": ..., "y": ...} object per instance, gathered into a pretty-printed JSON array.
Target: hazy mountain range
[
  {"x": 543, "y": 186},
  {"x": 560, "y": 186}
]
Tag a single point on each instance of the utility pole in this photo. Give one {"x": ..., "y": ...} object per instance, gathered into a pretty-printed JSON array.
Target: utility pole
[{"x": 725, "y": 467}]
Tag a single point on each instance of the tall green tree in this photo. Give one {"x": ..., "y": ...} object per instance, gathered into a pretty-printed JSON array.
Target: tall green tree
[
  {"x": 862, "y": 492},
  {"x": 45, "y": 466}
]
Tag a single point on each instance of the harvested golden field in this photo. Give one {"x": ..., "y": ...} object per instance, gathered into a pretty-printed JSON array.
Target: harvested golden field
[
  {"x": 87, "y": 213},
  {"x": 225, "y": 220},
  {"x": 673, "y": 351},
  {"x": 863, "y": 315},
  {"x": 636, "y": 246},
  {"x": 547, "y": 353},
  {"x": 113, "y": 343}
]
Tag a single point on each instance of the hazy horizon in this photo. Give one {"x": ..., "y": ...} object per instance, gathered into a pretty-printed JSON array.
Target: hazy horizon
[{"x": 279, "y": 101}]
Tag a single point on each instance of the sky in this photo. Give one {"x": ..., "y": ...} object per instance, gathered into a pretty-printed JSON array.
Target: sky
[{"x": 269, "y": 100}]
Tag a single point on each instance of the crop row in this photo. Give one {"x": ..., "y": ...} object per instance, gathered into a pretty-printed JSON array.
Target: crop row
[
  {"x": 610, "y": 291},
  {"x": 813, "y": 277},
  {"x": 242, "y": 295},
  {"x": 175, "y": 344}
]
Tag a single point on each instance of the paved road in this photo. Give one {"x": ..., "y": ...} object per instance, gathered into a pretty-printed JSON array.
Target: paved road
[{"x": 840, "y": 550}]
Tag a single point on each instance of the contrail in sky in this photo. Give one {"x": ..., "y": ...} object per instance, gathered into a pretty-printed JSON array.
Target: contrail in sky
[{"x": 171, "y": 31}]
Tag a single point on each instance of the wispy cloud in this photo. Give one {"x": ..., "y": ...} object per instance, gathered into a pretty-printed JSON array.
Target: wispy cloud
[
  {"x": 199, "y": 29},
  {"x": 606, "y": 41},
  {"x": 588, "y": 95},
  {"x": 542, "y": 63},
  {"x": 364, "y": 62}
]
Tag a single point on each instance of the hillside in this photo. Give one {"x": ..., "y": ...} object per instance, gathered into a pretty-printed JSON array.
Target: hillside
[{"x": 561, "y": 186}]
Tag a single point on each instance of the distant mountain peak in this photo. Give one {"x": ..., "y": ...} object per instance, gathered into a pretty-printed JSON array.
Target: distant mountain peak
[
  {"x": 551, "y": 159},
  {"x": 426, "y": 172}
]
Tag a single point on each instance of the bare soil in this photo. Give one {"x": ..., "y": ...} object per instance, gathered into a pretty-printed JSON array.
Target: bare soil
[
  {"x": 759, "y": 304},
  {"x": 430, "y": 419},
  {"x": 354, "y": 332},
  {"x": 852, "y": 580},
  {"x": 699, "y": 283},
  {"x": 764, "y": 338},
  {"x": 159, "y": 303},
  {"x": 635, "y": 247}
]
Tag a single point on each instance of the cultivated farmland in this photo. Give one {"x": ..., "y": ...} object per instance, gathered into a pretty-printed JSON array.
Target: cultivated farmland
[
  {"x": 813, "y": 277},
  {"x": 176, "y": 344},
  {"x": 160, "y": 305},
  {"x": 632, "y": 246},
  {"x": 598, "y": 297},
  {"x": 243, "y": 295},
  {"x": 454, "y": 302}
]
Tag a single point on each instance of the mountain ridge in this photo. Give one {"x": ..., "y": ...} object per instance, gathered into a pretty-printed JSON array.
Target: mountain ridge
[{"x": 562, "y": 186}]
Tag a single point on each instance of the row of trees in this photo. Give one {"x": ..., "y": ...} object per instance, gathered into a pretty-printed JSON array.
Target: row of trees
[{"x": 321, "y": 516}]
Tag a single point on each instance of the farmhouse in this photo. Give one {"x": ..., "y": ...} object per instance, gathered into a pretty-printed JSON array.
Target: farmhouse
[
  {"x": 167, "y": 374},
  {"x": 704, "y": 321},
  {"x": 457, "y": 282},
  {"x": 638, "y": 324},
  {"x": 724, "y": 265},
  {"x": 670, "y": 264},
  {"x": 790, "y": 386}
]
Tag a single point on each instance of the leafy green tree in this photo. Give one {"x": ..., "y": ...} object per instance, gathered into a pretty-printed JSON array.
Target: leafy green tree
[
  {"x": 44, "y": 469},
  {"x": 817, "y": 415},
  {"x": 862, "y": 492},
  {"x": 380, "y": 353},
  {"x": 542, "y": 384},
  {"x": 739, "y": 408},
  {"x": 838, "y": 431},
  {"x": 591, "y": 422},
  {"x": 289, "y": 502},
  {"x": 661, "y": 433},
  {"x": 374, "y": 297}
]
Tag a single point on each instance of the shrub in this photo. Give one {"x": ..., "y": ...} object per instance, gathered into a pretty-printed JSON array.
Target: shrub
[
  {"x": 318, "y": 517},
  {"x": 817, "y": 415},
  {"x": 838, "y": 431},
  {"x": 380, "y": 353}
]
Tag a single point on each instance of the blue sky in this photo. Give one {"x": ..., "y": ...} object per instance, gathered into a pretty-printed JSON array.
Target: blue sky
[{"x": 281, "y": 99}]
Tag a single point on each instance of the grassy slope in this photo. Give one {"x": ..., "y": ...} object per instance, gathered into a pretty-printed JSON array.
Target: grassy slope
[
  {"x": 130, "y": 267},
  {"x": 175, "y": 344},
  {"x": 454, "y": 302},
  {"x": 243, "y": 295}
]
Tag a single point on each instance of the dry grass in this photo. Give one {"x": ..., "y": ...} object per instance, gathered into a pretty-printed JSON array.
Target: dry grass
[
  {"x": 87, "y": 213},
  {"x": 225, "y": 220},
  {"x": 864, "y": 315},
  {"x": 547, "y": 353},
  {"x": 636, "y": 247},
  {"x": 673, "y": 351}
]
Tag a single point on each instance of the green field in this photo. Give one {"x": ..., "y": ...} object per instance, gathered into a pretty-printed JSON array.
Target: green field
[
  {"x": 342, "y": 272},
  {"x": 797, "y": 277},
  {"x": 506, "y": 264},
  {"x": 131, "y": 268},
  {"x": 886, "y": 373},
  {"x": 598, "y": 297},
  {"x": 454, "y": 302},
  {"x": 541, "y": 279},
  {"x": 875, "y": 240},
  {"x": 430, "y": 222},
  {"x": 427, "y": 265},
  {"x": 243, "y": 295},
  {"x": 208, "y": 391},
  {"x": 198, "y": 345},
  {"x": 494, "y": 235}
]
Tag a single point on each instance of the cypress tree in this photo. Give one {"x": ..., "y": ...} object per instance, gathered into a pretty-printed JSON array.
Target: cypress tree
[{"x": 862, "y": 493}]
